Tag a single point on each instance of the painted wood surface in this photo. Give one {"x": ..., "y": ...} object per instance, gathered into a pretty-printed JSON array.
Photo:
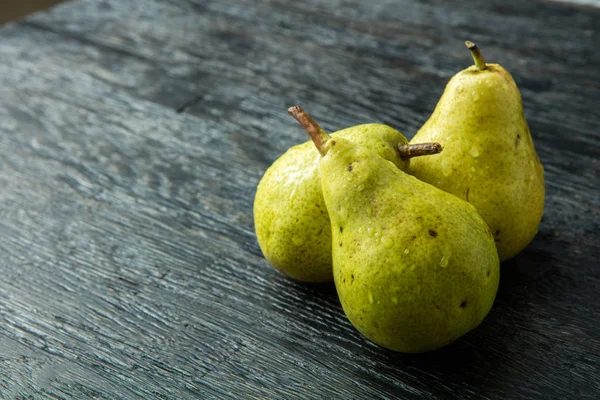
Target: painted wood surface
[{"x": 132, "y": 138}]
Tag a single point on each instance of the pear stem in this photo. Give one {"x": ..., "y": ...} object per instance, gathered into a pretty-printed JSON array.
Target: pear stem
[
  {"x": 407, "y": 151},
  {"x": 477, "y": 57},
  {"x": 316, "y": 133}
]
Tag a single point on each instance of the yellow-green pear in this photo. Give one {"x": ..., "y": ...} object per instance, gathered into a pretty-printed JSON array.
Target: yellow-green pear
[
  {"x": 290, "y": 216},
  {"x": 415, "y": 267},
  {"x": 489, "y": 158}
]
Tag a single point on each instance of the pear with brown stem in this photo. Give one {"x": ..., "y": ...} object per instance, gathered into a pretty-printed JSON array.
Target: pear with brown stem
[
  {"x": 415, "y": 267},
  {"x": 489, "y": 158}
]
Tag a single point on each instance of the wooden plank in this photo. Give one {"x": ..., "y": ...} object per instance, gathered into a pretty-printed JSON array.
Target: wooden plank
[
  {"x": 127, "y": 268},
  {"x": 130, "y": 267},
  {"x": 212, "y": 60}
]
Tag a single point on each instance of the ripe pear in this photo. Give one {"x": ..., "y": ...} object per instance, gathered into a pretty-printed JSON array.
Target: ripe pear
[
  {"x": 290, "y": 216},
  {"x": 489, "y": 158},
  {"x": 415, "y": 267}
]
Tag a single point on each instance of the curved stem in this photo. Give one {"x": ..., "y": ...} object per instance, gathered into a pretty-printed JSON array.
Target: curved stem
[
  {"x": 316, "y": 133},
  {"x": 407, "y": 151},
  {"x": 477, "y": 57}
]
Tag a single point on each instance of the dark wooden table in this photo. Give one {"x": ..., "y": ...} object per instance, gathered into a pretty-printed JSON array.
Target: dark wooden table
[{"x": 133, "y": 135}]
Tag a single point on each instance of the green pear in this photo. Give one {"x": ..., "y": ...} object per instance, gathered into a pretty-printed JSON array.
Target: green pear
[
  {"x": 489, "y": 158},
  {"x": 415, "y": 267},
  {"x": 290, "y": 216}
]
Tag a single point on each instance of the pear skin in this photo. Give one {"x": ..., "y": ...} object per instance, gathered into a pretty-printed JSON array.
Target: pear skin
[
  {"x": 489, "y": 158},
  {"x": 415, "y": 267}
]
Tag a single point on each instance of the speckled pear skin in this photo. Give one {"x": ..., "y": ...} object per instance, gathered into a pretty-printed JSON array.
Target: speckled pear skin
[
  {"x": 290, "y": 216},
  {"x": 489, "y": 158},
  {"x": 415, "y": 267}
]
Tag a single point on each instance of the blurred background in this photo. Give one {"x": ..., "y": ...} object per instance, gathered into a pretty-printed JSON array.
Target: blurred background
[
  {"x": 16, "y": 9},
  {"x": 11, "y": 10}
]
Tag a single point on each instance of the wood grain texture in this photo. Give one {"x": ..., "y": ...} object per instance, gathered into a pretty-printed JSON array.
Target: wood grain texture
[{"x": 132, "y": 137}]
